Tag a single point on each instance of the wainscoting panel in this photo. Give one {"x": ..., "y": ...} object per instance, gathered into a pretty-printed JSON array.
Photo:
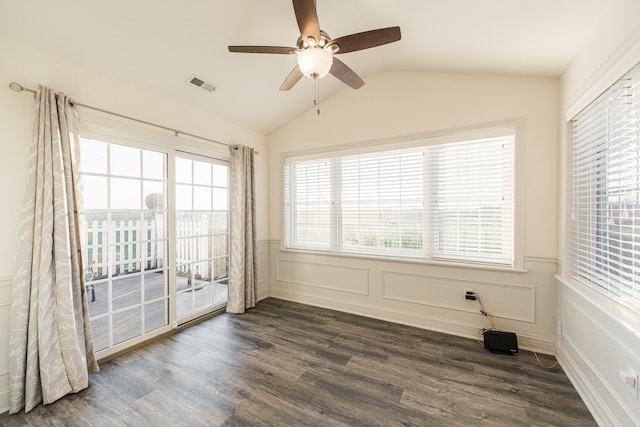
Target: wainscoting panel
[
  {"x": 515, "y": 302},
  {"x": 351, "y": 279},
  {"x": 595, "y": 345}
]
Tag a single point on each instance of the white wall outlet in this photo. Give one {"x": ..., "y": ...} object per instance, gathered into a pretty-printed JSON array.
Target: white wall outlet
[
  {"x": 630, "y": 378},
  {"x": 307, "y": 272},
  {"x": 558, "y": 328}
]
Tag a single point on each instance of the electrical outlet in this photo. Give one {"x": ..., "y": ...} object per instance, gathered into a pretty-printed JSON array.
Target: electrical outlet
[
  {"x": 469, "y": 295},
  {"x": 558, "y": 328},
  {"x": 307, "y": 272},
  {"x": 630, "y": 378}
]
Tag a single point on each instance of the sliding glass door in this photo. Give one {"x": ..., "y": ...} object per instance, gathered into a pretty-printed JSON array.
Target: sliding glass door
[{"x": 155, "y": 230}]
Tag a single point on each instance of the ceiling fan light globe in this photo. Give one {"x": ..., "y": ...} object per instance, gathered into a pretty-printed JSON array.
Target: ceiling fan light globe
[{"x": 315, "y": 62}]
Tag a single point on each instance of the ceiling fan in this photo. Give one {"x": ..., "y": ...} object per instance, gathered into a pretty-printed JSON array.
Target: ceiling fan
[{"x": 315, "y": 49}]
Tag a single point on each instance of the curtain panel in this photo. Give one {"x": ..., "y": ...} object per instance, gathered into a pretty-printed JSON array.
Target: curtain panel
[
  {"x": 50, "y": 341},
  {"x": 243, "y": 271}
]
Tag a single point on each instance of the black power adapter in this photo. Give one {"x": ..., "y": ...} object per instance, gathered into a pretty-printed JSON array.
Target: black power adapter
[{"x": 501, "y": 342}]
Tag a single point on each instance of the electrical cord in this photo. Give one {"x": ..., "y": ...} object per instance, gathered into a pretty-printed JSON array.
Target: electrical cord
[{"x": 553, "y": 365}]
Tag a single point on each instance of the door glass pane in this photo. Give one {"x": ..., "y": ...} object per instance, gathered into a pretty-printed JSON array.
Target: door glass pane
[
  {"x": 155, "y": 286},
  {"x": 201, "y": 173},
  {"x": 125, "y": 193},
  {"x": 126, "y": 325},
  {"x": 202, "y": 249},
  {"x": 95, "y": 192},
  {"x": 156, "y": 315},
  {"x": 184, "y": 198},
  {"x": 128, "y": 160},
  {"x": 94, "y": 156},
  {"x": 221, "y": 175},
  {"x": 153, "y": 164},
  {"x": 220, "y": 199},
  {"x": 202, "y": 198},
  {"x": 184, "y": 168}
]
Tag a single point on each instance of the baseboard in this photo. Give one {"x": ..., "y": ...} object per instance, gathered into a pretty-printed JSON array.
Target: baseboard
[
  {"x": 262, "y": 294},
  {"x": 438, "y": 324}
]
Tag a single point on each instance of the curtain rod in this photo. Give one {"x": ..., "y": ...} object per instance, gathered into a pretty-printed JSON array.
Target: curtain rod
[{"x": 17, "y": 87}]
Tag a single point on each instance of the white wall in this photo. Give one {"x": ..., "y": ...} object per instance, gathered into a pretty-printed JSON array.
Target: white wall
[
  {"x": 599, "y": 337},
  {"x": 30, "y": 68},
  {"x": 389, "y": 106}
]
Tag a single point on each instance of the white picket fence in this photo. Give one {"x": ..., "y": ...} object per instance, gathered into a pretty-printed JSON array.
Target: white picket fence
[
  {"x": 132, "y": 244},
  {"x": 195, "y": 247}
]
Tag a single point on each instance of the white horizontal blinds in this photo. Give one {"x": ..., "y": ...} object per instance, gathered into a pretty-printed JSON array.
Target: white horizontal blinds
[
  {"x": 308, "y": 204},
  {"x": 448, "y": 201},
  {"x": 472, "y": 200},
  {"x": 381, "y": 202},
  {"x": 606, "y": 192}
]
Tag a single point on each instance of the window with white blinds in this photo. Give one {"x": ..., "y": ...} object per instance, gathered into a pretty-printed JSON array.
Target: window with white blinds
[
  {"x": 606, "y": 192},
  {"x": 381, "y": 201},
  {"x": 450, "y": 200},
  {"x": 472, "y": 203},
  {"x": 307, "y": 195}
]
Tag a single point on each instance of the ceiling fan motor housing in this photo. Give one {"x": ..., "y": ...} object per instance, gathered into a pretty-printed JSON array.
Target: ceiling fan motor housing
[{"x": 324, "y": 41}]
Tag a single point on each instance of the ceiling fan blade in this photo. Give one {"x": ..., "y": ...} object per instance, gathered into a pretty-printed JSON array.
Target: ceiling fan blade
[
  {"x": 294, "y": 77},
  {"x": 263, "y": 49},
  {"x": 307, "y": 18},
  {"x": 345, "y": 74},
  {"x": 366, "y": 39}
]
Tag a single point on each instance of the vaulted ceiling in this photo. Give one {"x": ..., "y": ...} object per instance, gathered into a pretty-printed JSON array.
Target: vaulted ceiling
[{"x": 157, "y": 45}]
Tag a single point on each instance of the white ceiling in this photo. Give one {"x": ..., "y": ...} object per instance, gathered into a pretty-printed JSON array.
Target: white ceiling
[{"x": 156, "y": 45}]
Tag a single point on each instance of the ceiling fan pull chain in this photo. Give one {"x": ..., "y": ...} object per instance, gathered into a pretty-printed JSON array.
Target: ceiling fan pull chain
[{"x": 316, "y": 94}]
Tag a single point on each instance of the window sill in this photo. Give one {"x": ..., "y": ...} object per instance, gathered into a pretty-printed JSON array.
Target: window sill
[
  {"x": 624, "y": 316},
  {"x": 408, "y": 260}
]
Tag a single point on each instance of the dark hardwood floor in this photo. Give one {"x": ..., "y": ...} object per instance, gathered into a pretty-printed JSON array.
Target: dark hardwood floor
[{"x": 287, "y": 364}]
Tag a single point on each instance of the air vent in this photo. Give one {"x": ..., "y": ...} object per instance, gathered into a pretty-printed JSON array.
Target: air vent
[{"x": 199, "y": 82}]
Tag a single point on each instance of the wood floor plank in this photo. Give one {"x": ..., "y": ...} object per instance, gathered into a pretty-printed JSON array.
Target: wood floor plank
[
  {"x": 288, "y": 364},
  {"x": 460, "y": 406},
  {"x": 159, "y": 408}
]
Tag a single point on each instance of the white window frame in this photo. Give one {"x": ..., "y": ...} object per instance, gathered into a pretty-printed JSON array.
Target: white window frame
[
  {"x": 598, "y": 278},
  {"x": 513, "y": 127}
]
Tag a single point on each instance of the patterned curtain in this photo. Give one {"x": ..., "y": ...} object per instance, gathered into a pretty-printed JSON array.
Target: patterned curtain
[
  {"x": 50, "y": 342},
  {"x": 243, "y": 270}
]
